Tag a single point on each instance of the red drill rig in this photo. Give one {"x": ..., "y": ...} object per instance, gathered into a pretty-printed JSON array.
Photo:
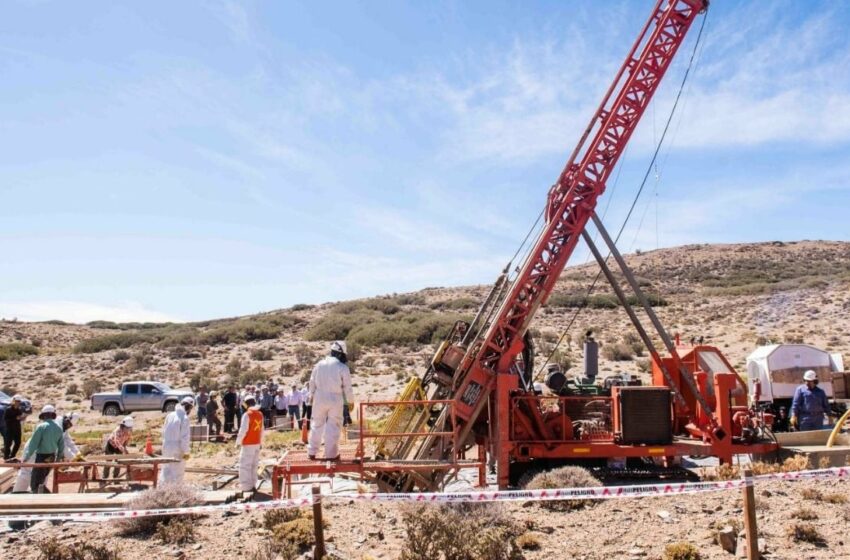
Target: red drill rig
[
  {"x": 478, "y": 391},
  {"x": 697, "y": 404}
]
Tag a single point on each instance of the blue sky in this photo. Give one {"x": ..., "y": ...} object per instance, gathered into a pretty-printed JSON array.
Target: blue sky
[{"x": 190, "y": 160}]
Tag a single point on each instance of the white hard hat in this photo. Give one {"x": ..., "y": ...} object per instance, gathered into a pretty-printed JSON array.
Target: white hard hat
[
  {"x": 188, "y": 400},
  {"x": 810, "y": 375},
  {"x": 339, "y": 346},
  {"x": 48, "y": 409},
  {"x": 73, "y": 417},
  {"x": 127, "y": 422},
  {"x": 17, "y": 398}
]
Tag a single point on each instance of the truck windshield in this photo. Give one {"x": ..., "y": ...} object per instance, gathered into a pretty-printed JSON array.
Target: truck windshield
[{"x": 162, "y": 387}]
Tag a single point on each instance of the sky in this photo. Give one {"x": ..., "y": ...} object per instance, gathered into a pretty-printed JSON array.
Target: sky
[{"x": 175, "y": 161}]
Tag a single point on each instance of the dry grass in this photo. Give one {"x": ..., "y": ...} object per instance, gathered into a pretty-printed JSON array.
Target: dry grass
[
  {"x": 564, "y": 477},
  {"x": 528, "y": 541},
  {"x": 681, "y": 551},
  {"x": 730, "y": 472},
  {"x": 52, "y": 549},
  {"x": 459, "y": 532},
  {"x": 812, "y": 494},
  {"x": 804, "y": 514},
  {"x": 179, "y": 530},
  {"x": 835, "y": 498},
  {"x": 162, "y": 497}
]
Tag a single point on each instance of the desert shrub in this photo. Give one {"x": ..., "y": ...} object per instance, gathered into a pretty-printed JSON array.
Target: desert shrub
[
  {"x": 72, "y": 389},
  {"x": 53, "y": 549},
  {"x": 336, "y": 325},
  {"x": 179, "y": 530},
  {"x": 562, "y": 359},
  {"x": 301, "y": 307},
  {"x": 171, "y": 335},
  {"x": 121, "y": 356},
  {"x": 804, "y": 532},
  {"x": 16, "y": 351},
  {"x": 812, "y": 494},
  {"x": 528, "y": 541},
  {"x": 262, "y": 354},
  {"x": 617, "y": 352},
  {"x": 111, "y": 342},
  {"x": 837, "y": 499},
  {"x": 91, "y": 386},
  {"x": 163, "y": 497},
  {"x": 140, "y": 360},
  {"x": 804, "y": 514},
  {"x": 459, "y": 532},
  {"x": 203, "y": 378},
  {"x": 681, "y": 551},
  {"x": 564, "y": 477},
  {"x": 126, "y": 326},
  {"x": 274, "y": 517},
  {"x": 458, "y": 304},
  {"x": 409, "y": 299},
  {"x": 295, "y": 534}
]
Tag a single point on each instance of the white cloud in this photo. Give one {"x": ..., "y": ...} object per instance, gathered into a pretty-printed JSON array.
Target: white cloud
[
  {"x": 412, "y": 233},
  {"x": 82, "y": 312}
]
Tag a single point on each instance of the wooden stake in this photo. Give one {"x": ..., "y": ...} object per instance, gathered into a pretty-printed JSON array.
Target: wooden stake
[
  {"x": 319, "y": 551},
  {"x": 750, "y": 527}
]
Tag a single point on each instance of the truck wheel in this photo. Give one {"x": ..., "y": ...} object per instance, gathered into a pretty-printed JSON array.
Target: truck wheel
[
  {"x": 111, "y": 410},
  {"x": 169, "y": 406}
]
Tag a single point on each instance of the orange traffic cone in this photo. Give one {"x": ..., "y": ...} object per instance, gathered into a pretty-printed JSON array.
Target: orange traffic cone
[
  {"x": 305, "y": 429},
  {"x": 149, "y": 446}
]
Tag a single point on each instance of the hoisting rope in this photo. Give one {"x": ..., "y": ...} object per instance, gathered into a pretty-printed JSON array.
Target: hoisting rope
[{"x": 649, "y": 168}]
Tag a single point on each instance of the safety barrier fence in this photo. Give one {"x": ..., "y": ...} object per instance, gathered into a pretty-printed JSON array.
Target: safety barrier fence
[{"x": 472, "y": 496}]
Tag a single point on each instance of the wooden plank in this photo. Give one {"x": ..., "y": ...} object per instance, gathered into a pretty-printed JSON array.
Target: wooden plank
[{"x": 207, "y": 470}]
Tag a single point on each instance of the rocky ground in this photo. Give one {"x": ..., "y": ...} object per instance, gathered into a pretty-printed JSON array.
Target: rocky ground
[{"x": 736, "y": 297}]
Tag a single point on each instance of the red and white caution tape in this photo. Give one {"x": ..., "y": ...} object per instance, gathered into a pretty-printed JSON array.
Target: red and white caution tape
[
  {"x": 817, "y": 474},
  {"x": 96, "y": 516},
  {"x": 597, "y": 493}
]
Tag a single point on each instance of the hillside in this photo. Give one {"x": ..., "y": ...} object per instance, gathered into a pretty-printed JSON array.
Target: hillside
[{"x": 736, "y": 296}]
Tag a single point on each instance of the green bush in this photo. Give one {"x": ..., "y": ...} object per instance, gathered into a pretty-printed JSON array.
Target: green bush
[
  {"x": 16, "y": 351},
  {"x": 211, "y": 333},
  {"x": 618, "y": 352},
  {"x": 458, "y": 304}
]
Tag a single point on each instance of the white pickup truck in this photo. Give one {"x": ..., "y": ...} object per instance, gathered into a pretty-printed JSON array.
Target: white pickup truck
[{"x": 139, "y": 395}]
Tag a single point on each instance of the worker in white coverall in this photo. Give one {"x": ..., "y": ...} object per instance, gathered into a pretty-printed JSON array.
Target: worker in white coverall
[
  {"x": 70, "y": 452},
  {"x": 329, "y": 392},
  {"x": 250, "y": 437},
  {"x": 176, "y": 441}
]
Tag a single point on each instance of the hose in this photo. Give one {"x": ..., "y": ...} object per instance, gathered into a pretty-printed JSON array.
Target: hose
[{"x": 837, "y": 429}]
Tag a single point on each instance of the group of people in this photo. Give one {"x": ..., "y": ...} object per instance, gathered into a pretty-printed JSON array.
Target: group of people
[
  {"x": 273, "y": 400},
  {"x": 50, "y": 442}
]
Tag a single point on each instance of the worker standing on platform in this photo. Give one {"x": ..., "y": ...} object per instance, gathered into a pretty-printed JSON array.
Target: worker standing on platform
[
  {"x": 810, "y": 404},
  {"x": 45, "y": 446},
  {"x": 250, "y": 437},
  {"x": 176, "y": 441},
  {"x": 330, "y": 391}
]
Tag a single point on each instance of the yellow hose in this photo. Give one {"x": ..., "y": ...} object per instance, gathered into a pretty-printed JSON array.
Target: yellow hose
[{"x": 837, "y": 429}]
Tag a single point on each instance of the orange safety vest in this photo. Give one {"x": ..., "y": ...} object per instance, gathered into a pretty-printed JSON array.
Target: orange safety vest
[{"x": 255, "y": 427}]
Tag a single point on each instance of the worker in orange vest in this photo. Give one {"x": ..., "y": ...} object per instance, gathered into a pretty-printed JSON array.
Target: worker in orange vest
[{"x": 250, "y": 437}]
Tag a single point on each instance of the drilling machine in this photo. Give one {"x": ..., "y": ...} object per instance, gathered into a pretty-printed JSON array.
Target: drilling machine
[{"x": 696, "y": 404}]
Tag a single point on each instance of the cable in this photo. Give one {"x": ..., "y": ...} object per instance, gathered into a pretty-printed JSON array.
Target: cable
[{"x": 583, "y": 304}]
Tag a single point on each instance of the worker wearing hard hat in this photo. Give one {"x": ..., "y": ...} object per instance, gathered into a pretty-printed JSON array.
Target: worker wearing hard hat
[
  {"x": 810, "y": 404},
  {"x": 329, "y": 391},
  {"x": 250, "y": 437},
  {"x": 116, "y": 443},
  {"x": 45, "y": 446},
  {"x": 176, "y": 441},
  {"x": 70, "y": 450}
]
